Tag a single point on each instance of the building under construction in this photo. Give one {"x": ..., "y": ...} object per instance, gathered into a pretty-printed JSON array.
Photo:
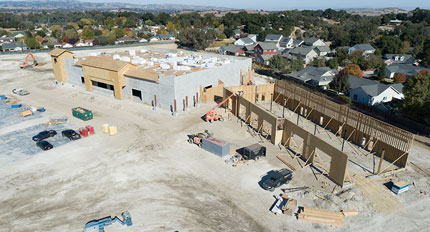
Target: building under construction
[{"x": 169, "y": 79}]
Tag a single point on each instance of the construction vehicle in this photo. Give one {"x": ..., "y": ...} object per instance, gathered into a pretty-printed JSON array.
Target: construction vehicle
[
  {"x": 197, "y": 138},
  {"x": 211, "y": 115},
  {"x": 26, "y": 64},
  {"x": 99, "y": 224}
]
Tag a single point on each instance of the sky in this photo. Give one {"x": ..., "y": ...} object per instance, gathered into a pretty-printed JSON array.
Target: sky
[{"x": 291, "y": 4}]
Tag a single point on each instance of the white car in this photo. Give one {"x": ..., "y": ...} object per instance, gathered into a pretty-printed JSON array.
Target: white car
[{"x": 20, "y": 92}]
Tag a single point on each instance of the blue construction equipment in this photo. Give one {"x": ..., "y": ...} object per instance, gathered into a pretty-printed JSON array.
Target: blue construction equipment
[{"x": 99, "y": 224}]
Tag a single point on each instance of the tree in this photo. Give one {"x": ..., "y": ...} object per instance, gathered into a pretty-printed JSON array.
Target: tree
[
  {"x": 85, "y": 21},
  {"x": 195, "y": 38},
  {"x": 381, "y": 72},
  {"x": 228, "y": 32},
  {"x": 340, "y": 81},
  {"x": 332, "y": 63},
  {"x": 318, "y": 62},
  {"x": 129, "y": 23},
  {"x": 71, "y": 34},
  {"x": 221, "y": 36},
  {"x": 39, "y": 39},
  {"x": 87, "y": 34},
  {"x": 32, "y": 43},
  {"x": 297, "y": 64},
  {"x": 118, "y": 32},
  {"x": 389, "y": 44},
  {"x": 4, "y": 32},
  {"x": 399, "y": 78},
  {"x": 101, "y": 40},
  {"x": 221, "y": 27},
  {"x": 40, "y": 33},
  {"x": 354, "y": 70},
  {"x": 424, "y": 54},
  {"x": 342, "y": 56},
  {"x": 57, "y": 31},
  {"x": 109, "y": 23},
  {"x": 170, "y": 27},
  {"x": 405, "y": 47},
  {"x": 417, "y": 97},
  {"x": 72, "y": 26},
  {"x": 149, "y": 23},
  {"x": 277, "y": 63}
]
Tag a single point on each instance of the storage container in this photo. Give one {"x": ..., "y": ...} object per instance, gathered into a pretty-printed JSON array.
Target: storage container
[
  {"x": 105, "y": 128},
  {"x": 216, "y": 146},
  {"x": 83, "y": 132},
  {"x": 112, "y": 130},
  {"x": 90, "y": 130}
]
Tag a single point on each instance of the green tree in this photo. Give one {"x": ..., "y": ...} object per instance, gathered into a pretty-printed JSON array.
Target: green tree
[
  {"x": 277, "y": 63},
  {"x": 87, "y": 34},
  {"x": 342, "y": 56},
  {"x": 228, "y": 32},
  {"x": 40, "y": 33},
  {"x": 4, "y": 32},
  {"x": 340, "y": 81},
  {"x": 32, "y": 43},
  {"x": 381, "y": 72},
  {"x": 332, "y": 63},
  {"x": 297, "y": 64},
  {"x": 109, "y": 23},
  {"x": 72, "y": 26},
  {"x": 71, "y": 34},
  {"x": 318, "y": 62},
  {"x": 417, "y": 97},
  {"x": 118, "y": 32},
  {"x": 149, "y": 22},
  {"x": 424, "y": 54},
  {"x": 57, "y": 31},
  {"x": 405, "y": 47},
  {"x": 101, "y": 40},
  {"x": 195, "y": 38},
  {"x": 221, "y": 36},
  {"x": 85, "y": 22},
  {"x": 129, "y": 23}
]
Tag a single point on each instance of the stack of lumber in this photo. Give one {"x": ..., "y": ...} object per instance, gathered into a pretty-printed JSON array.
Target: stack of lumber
[
  {"x": 285, "y": 161},
  {"x": 321, "y": 216}
]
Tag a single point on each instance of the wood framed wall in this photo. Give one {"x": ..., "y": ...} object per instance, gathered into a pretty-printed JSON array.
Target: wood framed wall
[{"x": 359, "y": 128}]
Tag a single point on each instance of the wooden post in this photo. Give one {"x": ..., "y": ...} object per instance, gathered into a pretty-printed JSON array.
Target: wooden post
[
  {"x": 380, "y": 161},
  {"x": 155, "y": 100}
]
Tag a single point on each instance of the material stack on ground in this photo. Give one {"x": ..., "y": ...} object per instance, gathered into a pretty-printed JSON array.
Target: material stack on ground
[
  {"x": 216, "y": 146},
  {"x": 321, "y": 216}
]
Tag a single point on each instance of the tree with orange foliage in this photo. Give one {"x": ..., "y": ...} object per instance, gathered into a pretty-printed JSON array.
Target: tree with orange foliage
[
  {"x": 399, "y": 78},
  {"x": 354, "y": 70}
]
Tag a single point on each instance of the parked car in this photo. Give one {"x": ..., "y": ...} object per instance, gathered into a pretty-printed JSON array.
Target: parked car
[
  {"x": 276, "y": 179},
  {"x": 255, "y": 152},
  {"x": 44, "y": 135},
  {"x": 70, "y": 134},
  {"x": 20, "y": 91},
  {"x": 44, "y": 145}
]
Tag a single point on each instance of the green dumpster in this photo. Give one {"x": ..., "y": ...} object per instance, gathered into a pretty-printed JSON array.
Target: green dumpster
[{"x": 82, "y": 113}]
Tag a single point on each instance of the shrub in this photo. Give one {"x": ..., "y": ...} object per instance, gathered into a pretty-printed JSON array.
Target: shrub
[
  {"x": 354, "y": 70},
  {"x": 399, "y": 78}
]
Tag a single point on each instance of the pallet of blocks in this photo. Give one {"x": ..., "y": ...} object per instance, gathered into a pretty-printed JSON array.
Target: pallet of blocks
[{"x": 321, "y": 216}]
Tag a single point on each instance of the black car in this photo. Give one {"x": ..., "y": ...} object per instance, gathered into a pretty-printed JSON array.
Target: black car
[
  {"x": 276, "y": 179},
  {"x": 44, "y": 135},
  {"x": 44, "y": 145},
  {"x": 70, "y": 134},
  {"x": 254, "y": 152}
]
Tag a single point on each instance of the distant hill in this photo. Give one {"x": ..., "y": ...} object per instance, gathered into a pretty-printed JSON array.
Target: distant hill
[
  {"x": 374, "y": 11},
  {"x": 73, "y": 5}
]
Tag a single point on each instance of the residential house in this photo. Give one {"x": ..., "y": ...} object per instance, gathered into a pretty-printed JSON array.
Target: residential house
[
  {"x": 153, "y": 39},
  {"x": 67, "y": 45},
  {"x": 307, "y": 54},
  {"x": 297, "y": 43},
  {"x": 253, "y": 37},
  {"x": 166, "y": 37},
  {"x": 143, "y": 40},
  {"x": 14, "y": 47},
  {"x": 6, "y": 40},
  {"x": 399, "y": 59},
  {"x": 124, "y": 40},
  {"x": 51, "y": 44},
  {"x": 286, "y": 42},
  {"x": 316, "y": 76},
  {"x": 89, "y": 42},
  {"x": 264, "y": 59},
  {"x": 365, "y": 48},
  {"x": 237, "y": 33},
  {"x": 407, "y": 69},
  {"x": 245, "y": 41},
  {"x": 395, "y": 22},
  {"x": 370, "y": 92},
  {"x": 249, "y": 50},
  {"x": 265, "y": 49},
  {"x": 273, "y": 38},
  {"x": 18, "y": 35},
  {"x": 232, "y": 50},
  {"x": 314, "y": 42},
  {"x": 84, "y": 43},
  {"x": 322, "y": 50}
]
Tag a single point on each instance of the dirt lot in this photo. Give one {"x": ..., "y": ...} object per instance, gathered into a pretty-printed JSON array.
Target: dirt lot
[{"x": 166, "y": 184}]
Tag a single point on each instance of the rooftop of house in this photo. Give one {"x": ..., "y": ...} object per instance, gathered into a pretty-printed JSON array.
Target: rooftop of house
[
  {"x": 323, "y": 48},
  {"x": 231, "y": 48},
  {"x": 311, "y": 40},
  {"x": 247, "y": 40},
  {"x": 314, "y": 73},
  {"x": 266, "y": 57},
  {"x": 268, "y": 46},
  {"x": 301, "y": 50},
  {"x": 406, "y": 69},
  {"x": 286, "y": 39},
  {"x": 372, "y": 88},
  {"x": 364, "y": 47},
  {"x": 13, "y": 45},
  {"x": 400, "y": 58},
  {"x": 273, "y": 37}
]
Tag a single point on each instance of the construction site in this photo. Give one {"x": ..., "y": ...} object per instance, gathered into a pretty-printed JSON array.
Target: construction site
[{"x": 174, "y": 140}]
